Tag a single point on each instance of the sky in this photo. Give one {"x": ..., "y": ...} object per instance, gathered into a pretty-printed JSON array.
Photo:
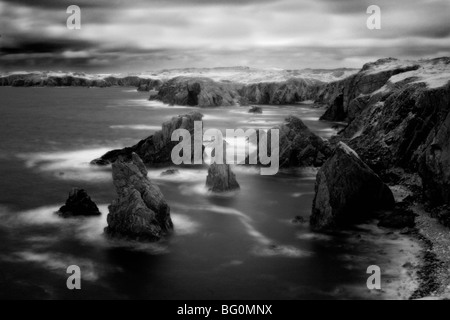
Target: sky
[{"x": 138, "y": 36}]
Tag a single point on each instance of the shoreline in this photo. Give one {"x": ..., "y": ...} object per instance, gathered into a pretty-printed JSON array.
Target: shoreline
[{"x": 432, "y": 273}]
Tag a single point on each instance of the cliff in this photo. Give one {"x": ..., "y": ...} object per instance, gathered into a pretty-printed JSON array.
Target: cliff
[
  {"x": 285, "y": 92},
  {"x": 200, "y": 92},
  {"x": 402, "y": 121},
  {"x": 60, "y": 79}
]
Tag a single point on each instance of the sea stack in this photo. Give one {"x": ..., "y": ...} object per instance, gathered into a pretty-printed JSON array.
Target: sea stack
[
  {"x": 347, "y": 191},
  {"x": 140, "y": 212},
  {"x": 78, "y": 204},
  {"x": 221, "y": 178}
]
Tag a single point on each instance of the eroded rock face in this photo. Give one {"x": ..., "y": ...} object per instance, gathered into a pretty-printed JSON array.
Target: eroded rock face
[
  {"x": 202, "y": 92},
  {"x": 339, "y": 95},
  {"x": 79, "y": 204},
  {"x": 405, "y": 123},
  {"x": 157, "y": 148},
  {"x": 285, "y": 92},
  {"x": 221, "y": 178},
  {"x": 299, "y": 146},
  {"x": 140, "y": 212},
  {"x": 347, "y": 191}
]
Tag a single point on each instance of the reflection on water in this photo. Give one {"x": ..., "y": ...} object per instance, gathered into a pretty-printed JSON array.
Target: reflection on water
[{"x": 237, "y": 245}]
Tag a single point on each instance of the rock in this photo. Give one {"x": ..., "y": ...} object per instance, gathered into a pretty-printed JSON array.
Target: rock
[
  {"x": 220, "y": 178},
  {"x": 283, "y": 92},
  {"x": 347, "y": 97},
  {"x": 157, "y": 148},
  {"x": 299, "y": 146},
  {"x": 255, "y": 109},
  {"x": 197, "y": 91},
  {"x": 170, "y": 172},
  {"x": 140, "y": 212},
  {"x": 79, "y": 204},
  {"x": 347, "y": 191}
]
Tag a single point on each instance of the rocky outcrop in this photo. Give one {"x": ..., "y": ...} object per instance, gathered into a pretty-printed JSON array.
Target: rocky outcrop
[
  {"x": 157, "y": 148},
  {"x": 140, "y": 212},
  {"x": 299, "y": 146},
  {"x": 221, "y": 178},
  {"x": 405, "y": 123},
  {"x": 284, "y": 92},
  {"x": 202, "y": 92},
  {"x": 45, "y": 79},
  {"x": 79, "y": 204},
  {"x": 340, "y": 95},
  {"x": 347, "y": 191},
  {"x": 149, "y": 85}
]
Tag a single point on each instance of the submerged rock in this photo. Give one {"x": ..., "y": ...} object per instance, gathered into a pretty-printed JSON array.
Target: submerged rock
[
  {"x": 347, "y": 191},
  {"x": 169, "y": 172},
  {"x": 220, "y": 178},
  {"x": 79, "y": 204},
  {"x": 140, "y": 212},
  {"x": 157, "y": 148},
  {"x": 255, "y": 109}
]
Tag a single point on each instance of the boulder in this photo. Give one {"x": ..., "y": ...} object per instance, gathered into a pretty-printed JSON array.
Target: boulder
[
  {"x": 299, "y": 146},
  {"x": 140, "y": 212},
  {"x": 221, "y": 178},
  {"x": 157, "y": 148},
  {"x": 347, "y": 191},
  {"x": 255, "y": 109},
  {"x": 79, "y": 204}
]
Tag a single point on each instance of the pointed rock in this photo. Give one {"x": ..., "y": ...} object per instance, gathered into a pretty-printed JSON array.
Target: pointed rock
[{"x": 140, "y": 212}]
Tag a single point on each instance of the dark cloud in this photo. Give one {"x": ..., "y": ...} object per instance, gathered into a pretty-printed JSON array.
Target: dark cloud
[
  {"x": 155, "y": 34},
  {"x": 24, "y": 46},
  {"x": 58, "y": 4}
]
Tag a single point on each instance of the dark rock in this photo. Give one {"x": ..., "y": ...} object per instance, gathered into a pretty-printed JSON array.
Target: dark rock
[
  {"x": 221, "y": 178},
  {"x": 202, "y": 92},
  {"x": 157, "y": 148},
  {"x": 347, "y": 191},
  {"x": 278, "y": 93},
  {"x": 170, "y": 172},
  {"x": 299, "y": 220},
  {"x": 140, "y": 212},
  {"x": 255, "y": 109},
  {"x": 79, "y": 204},
  {"x": 299, "y": 146}
]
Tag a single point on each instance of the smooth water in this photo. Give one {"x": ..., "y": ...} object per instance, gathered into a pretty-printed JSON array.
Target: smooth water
[{"x": 236, "y": 246}]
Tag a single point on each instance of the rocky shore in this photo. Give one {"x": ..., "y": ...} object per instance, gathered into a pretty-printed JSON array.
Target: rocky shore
[{"x": 398, "y": 115}]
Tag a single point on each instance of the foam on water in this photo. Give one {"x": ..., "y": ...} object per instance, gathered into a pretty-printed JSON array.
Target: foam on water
[
  {"x": 69, "y": 165},
  {"x": 184, "y": 225}
]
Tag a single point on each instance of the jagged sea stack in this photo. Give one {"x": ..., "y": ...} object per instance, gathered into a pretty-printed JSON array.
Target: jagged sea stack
[
  {"x": 347, "y": 191},
  {"x": 140, "y": 212},
  {"x": 220, "y": 178},
  {"x": 78, "y": 204}
]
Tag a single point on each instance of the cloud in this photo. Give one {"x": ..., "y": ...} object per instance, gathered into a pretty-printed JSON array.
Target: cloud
[{"x": 143, "y": 35}]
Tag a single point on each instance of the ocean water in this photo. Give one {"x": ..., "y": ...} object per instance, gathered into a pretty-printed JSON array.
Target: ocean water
[{"x": 241, "y": 245}]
